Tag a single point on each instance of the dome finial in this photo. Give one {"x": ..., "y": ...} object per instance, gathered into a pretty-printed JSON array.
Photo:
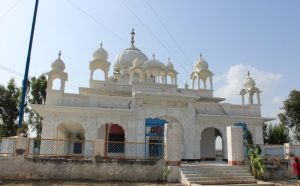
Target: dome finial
[
  {"x": 101, "y": 45},
  {"x": 153, "y": 56},
  {"x": 200, "y": 55},
  {"x": 132, "y": 38},
  {"x": 59, "y": 54},
  {"x": 248, "y": 73},
  {"x": 169, "y": 59}
]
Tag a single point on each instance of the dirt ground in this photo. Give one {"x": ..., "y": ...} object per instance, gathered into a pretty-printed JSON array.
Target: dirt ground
[
  {"x": 88, "y": 183},
  {"x": 81, "y": 183}
]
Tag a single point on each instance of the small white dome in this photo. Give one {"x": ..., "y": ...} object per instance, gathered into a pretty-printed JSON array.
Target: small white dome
[
  {"x": 137, "y": 62},
  {"x": 201, "y": 64},
  {"x": 153, "y": 63},
  {"x": 249, "y": 83},
  {"x": 169, "y": 64},
  {"x": 100, "y": 54},
  {"x": 58, "y": 64}
]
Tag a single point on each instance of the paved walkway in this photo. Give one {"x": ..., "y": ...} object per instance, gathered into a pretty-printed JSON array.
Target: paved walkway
[
  {"x": 81, "y": 183},
  {"x": 285, "y": 183}
]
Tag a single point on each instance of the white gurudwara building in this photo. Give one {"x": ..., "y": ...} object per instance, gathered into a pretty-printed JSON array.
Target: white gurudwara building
[{"x": 141, "y": 111}]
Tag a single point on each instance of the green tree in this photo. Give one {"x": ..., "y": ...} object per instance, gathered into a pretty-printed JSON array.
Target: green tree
[
  {"x": 37, "y": 96},
  {"x": 265, "y": 132},
  {"x": 291, "y": 114},
  {"x": 257, "y": 165},
  {"x": 38, "y": 89},
  {"x": 277, "y": 134},
  {"x": 9, "y": 110}
]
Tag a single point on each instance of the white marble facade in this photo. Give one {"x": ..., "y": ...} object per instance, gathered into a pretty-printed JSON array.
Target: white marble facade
[{"x": 142, "y": 88}]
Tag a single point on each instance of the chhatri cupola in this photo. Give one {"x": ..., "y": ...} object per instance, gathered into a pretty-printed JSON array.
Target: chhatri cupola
[
  {"x": 201, "y": 73},
  {"x": 57, "y": 72},
  {"x": 250, "y": 90},
  {"x": 99, "y": 61}
]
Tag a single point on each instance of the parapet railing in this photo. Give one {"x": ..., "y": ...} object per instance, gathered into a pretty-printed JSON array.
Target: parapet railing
[
  {"x": 60, "y": 147},
  {"x": 7, "y": 146},
  {"x": 133, "y": 150},
  {"x": 84, "y": 148}
]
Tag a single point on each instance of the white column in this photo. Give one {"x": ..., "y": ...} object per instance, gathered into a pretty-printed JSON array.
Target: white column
[
  {"x": 243, "y": 99},
  {"x": 211, "y": 83},
  {"x": 235, "y": 148},
  {"x": 193, "y": 82}
]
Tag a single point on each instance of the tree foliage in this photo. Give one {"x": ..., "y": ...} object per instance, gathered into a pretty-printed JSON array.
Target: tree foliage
[
  {"x": 277, "y": 134},
  {"x": 37, "y": 96},
  {"x": 291, "y": 114},
  {"x": 38, "y": 89},
  {"x": 265, "y": 132},
  {"x": 9, "y": 106},
  {"x": 9, "y": 110},
  {"x": 257, "y": 165}
]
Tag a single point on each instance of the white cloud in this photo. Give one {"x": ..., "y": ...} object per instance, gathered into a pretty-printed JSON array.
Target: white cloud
[{"x": 232, "y": 82}]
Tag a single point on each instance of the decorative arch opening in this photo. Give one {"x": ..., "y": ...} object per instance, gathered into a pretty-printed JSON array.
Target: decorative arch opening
[
  {"x": 98, "y": 74},
  {"x": 154, "y": 137},
  {"x": 56, "y": 84},
  {"x": 116, "y": 139},
  {"x": 72, "y": 136},
  {"x": 211, "y": 141}
]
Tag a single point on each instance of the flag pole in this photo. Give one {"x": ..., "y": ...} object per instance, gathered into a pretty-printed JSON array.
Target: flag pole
[{"x": 24, "y": 88}]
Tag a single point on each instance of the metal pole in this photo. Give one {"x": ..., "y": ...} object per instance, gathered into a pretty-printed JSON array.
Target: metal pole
[{"x": 24, "y": 88}]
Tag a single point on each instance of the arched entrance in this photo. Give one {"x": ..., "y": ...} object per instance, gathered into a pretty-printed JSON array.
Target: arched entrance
[
  {"x": 71, "y": 138},
  {"x": 209, "y": 148},
  {"x": 154, "y": 137},
  {"x": 116, "y": 139}
]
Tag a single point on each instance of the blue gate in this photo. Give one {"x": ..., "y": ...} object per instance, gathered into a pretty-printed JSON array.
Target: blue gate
[{"x": 154, "y": 137}]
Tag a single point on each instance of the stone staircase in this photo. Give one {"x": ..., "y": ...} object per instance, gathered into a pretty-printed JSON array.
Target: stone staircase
[{"x": 218, "y": 174}]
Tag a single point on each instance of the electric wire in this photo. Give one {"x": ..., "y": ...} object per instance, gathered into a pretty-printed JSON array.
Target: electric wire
[
  {"x": 96, "y": 21},
  {"x": 168, "y": 32},
  {"x": 11, "y": 71},
  {"x": 154, "y": 36},
  {"x": 9, "y": 10}
]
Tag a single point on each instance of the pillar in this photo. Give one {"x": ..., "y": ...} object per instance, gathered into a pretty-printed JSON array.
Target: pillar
[
  {"x": 243, "y": 99},
  {"x": 173, "y": 144},
  {"x": 235, "y": 145},
  {"x": 193, "y": 82},
  {"x": 211, "y": 83}
]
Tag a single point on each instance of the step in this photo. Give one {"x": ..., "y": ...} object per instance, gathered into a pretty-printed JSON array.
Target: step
[
  {"x": 220, "y": 178},
  {"x": 217, "y": 167},
  {"x": 195, "y": 174},
  {"x": 215, "y": 171},
  {"x": 225, "y": 182},
  {"x": 251, "y": 184}
]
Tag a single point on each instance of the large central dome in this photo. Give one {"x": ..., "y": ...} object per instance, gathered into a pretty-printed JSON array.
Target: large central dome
[{"x": 125, "y": 59}]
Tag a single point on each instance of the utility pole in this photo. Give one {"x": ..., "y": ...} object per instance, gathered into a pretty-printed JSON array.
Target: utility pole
[{"x": 24, "y": 88}]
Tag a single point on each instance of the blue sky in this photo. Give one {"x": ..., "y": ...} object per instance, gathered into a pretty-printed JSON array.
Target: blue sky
[{"x": 233, "y": 36}]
